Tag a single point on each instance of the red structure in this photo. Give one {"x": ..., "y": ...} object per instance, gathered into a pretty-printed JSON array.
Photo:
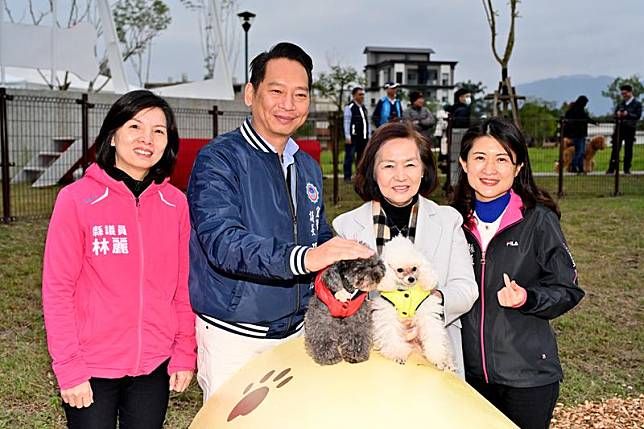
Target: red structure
[{"x": 189, "y": 148}]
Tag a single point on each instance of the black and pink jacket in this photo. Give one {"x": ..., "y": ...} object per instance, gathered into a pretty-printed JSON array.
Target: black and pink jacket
[{"x": 516, "y": 346}]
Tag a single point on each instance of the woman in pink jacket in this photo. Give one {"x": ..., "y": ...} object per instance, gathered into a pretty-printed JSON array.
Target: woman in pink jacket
[{"x": 120, "y": 329}]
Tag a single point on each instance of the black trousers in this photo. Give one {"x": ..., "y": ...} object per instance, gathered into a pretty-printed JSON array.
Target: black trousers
[
  {"x": 356, "y": 148},
  {"x": 138, "y": 402},
  {"x": 527, "y": 407},
  {"x": 627, "y": 135}
]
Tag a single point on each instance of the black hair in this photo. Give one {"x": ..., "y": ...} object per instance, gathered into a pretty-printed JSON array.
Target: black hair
[
  {"x": 415, "y": 95},
  {"x": 458, "y": 93},
  {"x": 365, "y": 182},
  {"x": 626, "y": 87},
  {"x": 582, "y": 100},
  {"x": 356, "y": 89},
  {"x": 124, "y": 109},
  {"x": 512, "y": 139},
  {"x": 281, "y": 50}
]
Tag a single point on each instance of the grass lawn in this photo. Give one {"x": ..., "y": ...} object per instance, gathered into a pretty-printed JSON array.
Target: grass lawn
[
  {"x": 541, "y": 159},
  {"x": 601, "y": 341}
]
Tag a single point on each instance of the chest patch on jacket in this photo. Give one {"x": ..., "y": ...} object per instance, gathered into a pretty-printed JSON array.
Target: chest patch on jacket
[{"x": 109, "y": 239}]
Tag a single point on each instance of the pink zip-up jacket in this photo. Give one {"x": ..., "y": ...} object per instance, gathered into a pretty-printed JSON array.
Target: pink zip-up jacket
[{"x": 115, "y": 281}]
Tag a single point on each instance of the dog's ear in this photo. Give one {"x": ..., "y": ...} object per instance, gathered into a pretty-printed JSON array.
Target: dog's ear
[{"x": 333, "y": 276}]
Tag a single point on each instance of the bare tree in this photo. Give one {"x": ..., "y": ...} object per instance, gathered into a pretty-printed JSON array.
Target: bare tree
[
  {"x": 229, "y": 26},
  {"x": 505, "y": 94}
]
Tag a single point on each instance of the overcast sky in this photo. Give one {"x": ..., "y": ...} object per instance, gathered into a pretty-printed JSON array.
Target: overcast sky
[{"x": 553, "y": 37}]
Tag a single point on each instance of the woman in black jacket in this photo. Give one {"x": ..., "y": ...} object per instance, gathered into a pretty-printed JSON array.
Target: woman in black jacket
[
  {"x": 576, "y": 128},
  {"x": 525, "y": 272}
]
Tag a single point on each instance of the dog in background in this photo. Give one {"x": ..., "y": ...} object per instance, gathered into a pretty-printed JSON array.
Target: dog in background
[
  {"x": 406, "y": 294},
  {"x": 337, "y": 324},
  {"x": 596, "y": 143}
]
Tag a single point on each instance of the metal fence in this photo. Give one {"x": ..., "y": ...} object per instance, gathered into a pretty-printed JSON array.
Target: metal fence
[
  {"x": 548, "y": 149},
  {"x": 46, "y": 142}
]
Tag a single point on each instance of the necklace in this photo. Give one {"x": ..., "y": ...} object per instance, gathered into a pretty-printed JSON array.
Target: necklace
[{"x": 404, "y": 231}]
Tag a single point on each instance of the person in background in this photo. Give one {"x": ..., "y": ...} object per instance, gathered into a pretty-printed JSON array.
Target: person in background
[
  {"x": 394, "y": 179},
  {"x": 627, "y": 113},
  {"x": 119, "y": 325},
  {"x": 440, "y": 138},
  {"x": 461, "y": 110},
  {"x": 419, "y": 115},
  {"x": 576, "y": 129},
  {"x": 388, "y": 108},
  {"x": 356, "y": 131},
  {"x": 259, "y": 228},
  {"x": 525, "y": 273}
]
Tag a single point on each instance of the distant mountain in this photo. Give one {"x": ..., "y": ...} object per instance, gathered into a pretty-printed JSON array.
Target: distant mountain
[{"x": 568, "y": 88}]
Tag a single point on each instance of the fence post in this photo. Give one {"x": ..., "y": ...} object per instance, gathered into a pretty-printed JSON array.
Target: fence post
[
  {"x": 336, "y": 127},
  {"x": 85, "y": 106},
  {"x": 4, "y": 156},
  {"x": 448, "y": 181},
  {"x": 562, "y": 124},
  {"x": 618, "y": 142},
  {"x": 215, "y": 120}
]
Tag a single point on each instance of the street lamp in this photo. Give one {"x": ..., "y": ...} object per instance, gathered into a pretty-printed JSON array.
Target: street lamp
[{"x": 246, "y": 18}]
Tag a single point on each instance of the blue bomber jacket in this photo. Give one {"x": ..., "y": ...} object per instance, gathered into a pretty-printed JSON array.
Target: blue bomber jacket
[{"x": 248, "y": 237}]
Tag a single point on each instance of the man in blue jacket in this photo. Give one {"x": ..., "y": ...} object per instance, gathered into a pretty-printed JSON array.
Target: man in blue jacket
[{"x": 259, "y": 230}]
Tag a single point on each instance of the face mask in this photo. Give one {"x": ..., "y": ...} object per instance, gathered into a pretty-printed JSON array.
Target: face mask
[{"x": 468, "y": 100}]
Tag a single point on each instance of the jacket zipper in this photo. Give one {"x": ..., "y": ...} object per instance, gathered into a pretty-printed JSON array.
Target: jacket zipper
[
  {"x": 294, "y": 220},
  {"x": 141, "y": 263},
  {"x": 483, "y": 360}
]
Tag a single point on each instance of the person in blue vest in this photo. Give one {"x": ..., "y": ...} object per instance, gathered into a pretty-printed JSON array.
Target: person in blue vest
[
  {"x": 356, "y": 130},
  {"x": 389, "y": 108}
]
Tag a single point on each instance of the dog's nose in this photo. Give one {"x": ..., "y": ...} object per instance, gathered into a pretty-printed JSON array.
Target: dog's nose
[{"x": 411, "y": 279}]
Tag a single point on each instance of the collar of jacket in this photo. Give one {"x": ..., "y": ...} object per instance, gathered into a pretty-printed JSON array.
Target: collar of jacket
[
  {"x": 99, "y": 175},
  {"x": 257, "y": 142},
  {"x": 337, "y": 308},
  {"x": 426, "y": 226},
  {"x": 513, "y": 214}
]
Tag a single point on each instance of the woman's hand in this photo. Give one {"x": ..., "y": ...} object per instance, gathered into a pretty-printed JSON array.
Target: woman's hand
[
  {"x": 78, "y": 396},
  {"x": 180, "y": 380},
  {"x": 511, "y": 295}
]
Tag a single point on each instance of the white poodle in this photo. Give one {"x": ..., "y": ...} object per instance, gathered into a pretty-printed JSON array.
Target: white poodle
[{"x": 405, "y": 301}]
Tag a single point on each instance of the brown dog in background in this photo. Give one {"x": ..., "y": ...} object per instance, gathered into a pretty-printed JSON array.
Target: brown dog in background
[{"x": 596, "y": 143}]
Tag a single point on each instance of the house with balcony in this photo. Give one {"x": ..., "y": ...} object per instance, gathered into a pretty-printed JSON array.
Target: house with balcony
[{"x": 412, "y": 68}]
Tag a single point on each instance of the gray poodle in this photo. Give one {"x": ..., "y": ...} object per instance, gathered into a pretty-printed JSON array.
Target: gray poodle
[{"x": 337, "y": 324}]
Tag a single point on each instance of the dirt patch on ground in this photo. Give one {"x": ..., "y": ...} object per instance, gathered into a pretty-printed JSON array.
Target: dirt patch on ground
[{"x": 614, "y": 413}]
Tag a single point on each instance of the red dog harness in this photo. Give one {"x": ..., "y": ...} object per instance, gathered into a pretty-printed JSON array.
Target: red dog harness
[{"x": 337, "y": 308}]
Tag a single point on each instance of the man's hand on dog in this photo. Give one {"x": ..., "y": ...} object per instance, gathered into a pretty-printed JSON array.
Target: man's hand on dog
[
  {"x": 334, "y": 250},
  {"x": 511, "y": 295}
]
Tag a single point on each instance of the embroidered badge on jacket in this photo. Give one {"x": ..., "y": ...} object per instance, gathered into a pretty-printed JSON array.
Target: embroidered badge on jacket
[{"x": 312, "y": 193}]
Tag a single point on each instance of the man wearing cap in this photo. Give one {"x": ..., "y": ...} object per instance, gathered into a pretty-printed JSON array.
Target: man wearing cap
[{"x": 388, "y": 108}]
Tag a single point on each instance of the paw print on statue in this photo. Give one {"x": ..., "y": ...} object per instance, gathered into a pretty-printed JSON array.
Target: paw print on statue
[{"x": 252, "y": 398}]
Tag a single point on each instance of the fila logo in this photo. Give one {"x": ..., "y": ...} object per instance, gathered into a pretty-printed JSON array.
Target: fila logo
[{"x": 512, "y": 243}]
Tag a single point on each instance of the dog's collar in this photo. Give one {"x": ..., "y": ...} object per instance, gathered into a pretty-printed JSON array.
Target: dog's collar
[{"x": 337, "y": 308}]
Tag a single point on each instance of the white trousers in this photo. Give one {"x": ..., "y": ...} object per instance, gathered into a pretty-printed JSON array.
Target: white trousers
[{"x": 221, "y": 353}]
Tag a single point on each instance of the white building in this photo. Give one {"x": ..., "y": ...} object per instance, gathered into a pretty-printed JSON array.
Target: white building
[{"x": 412, "y": 68}]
